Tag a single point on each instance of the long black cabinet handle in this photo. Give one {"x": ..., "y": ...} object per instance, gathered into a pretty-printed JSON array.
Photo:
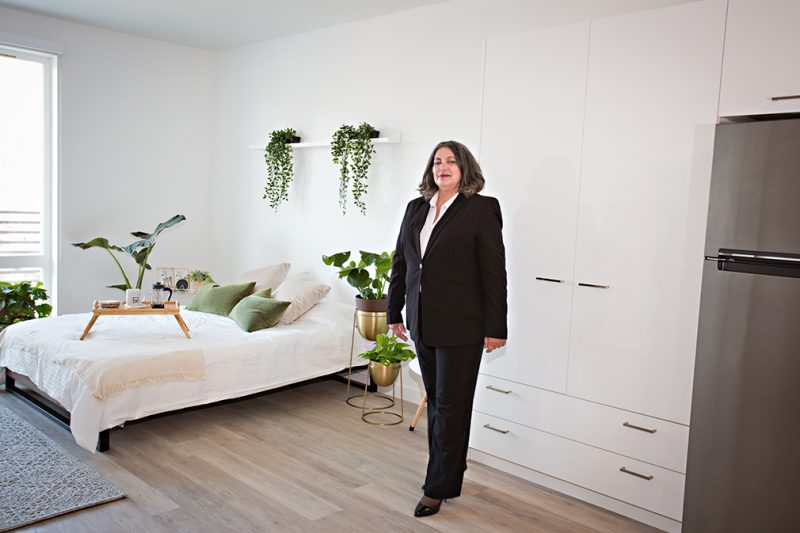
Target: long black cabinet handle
[
  {"x": 637, "y": 474},
  {"x": 640, "y": 428},
  {"x": 552, "y": 280},
  {"x": 594, "y": 285},
  {"x": 788, "y": 97}
]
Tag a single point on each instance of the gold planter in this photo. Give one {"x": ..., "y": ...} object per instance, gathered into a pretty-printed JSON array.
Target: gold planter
[
  {"x": 383, "y": 375},
  {"x": 371, "y": 317}
]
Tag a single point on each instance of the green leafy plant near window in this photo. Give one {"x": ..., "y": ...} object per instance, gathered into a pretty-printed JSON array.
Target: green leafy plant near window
[
  {"x": 280, "y": 168},
  {"x": 369, "y": 285},
  {"x": 139, "y": 250},
  {"x": 352, "y": 151},
  {"x": 388, "y": 351},
  {"x": 22, "y": 301}
]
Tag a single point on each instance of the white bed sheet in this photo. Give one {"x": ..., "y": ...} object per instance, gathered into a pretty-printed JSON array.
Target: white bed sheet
[{"x": 237, "y": 364}]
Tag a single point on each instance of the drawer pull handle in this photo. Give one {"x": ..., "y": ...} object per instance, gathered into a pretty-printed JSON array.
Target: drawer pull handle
[
  {"x": 503, "y": 431},
  {"x": 789, "y": 97},
  {"x": 553, "y": 280},
  {"x": 637, "y": 474},
  {"x": 640, "y": 428},
  {"x": 594, "y": 285},
  {"x": 492, "y": 387}
]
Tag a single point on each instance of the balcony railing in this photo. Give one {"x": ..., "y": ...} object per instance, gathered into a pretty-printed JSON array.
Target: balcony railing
[{"x": 20, "y": 232}]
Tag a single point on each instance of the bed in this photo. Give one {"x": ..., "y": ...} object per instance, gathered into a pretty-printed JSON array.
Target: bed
[{"x": 232, "y": 363}]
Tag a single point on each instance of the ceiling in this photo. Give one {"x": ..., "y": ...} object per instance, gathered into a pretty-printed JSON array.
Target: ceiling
[{"x": 214, "y": 24}]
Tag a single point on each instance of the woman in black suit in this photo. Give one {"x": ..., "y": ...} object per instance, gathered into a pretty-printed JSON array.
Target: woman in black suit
[{"x": 449, "y": 272}]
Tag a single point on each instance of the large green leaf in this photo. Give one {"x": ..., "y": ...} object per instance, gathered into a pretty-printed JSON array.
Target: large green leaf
[
  {"x": 97, "y": 242},
  {"x": 358, "y": 278},
  {"x": 369, "y": 258},
  {"x": 148, "y": 240},
  {"x": 336, "y": 260}
]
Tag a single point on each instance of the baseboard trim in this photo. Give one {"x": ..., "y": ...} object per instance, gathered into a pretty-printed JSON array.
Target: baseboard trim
[{"x": 595, "y": 498}]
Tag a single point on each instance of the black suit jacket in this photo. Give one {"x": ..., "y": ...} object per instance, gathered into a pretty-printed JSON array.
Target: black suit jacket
[{"x": 456, "y": 294}]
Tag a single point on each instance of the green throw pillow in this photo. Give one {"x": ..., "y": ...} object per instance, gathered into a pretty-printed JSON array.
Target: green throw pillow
[
  {"x": 219, "y": 299},
  {"x": 264, "y": 293},
  {"x": 256, "y": 312}
]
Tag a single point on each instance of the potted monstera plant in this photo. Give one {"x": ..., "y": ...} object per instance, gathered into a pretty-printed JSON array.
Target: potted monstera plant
[
  {"x": 370, "y": 277},
  {"x": 385, "y": 359}
]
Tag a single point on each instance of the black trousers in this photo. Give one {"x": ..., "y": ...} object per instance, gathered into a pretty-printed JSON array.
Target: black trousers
[{"x": 449, "y": 374}]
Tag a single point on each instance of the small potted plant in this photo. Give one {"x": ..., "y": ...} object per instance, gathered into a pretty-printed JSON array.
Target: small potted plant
[
  {"x": 385, "y": 359},
  {"x": 22, "y": 301},
  {"x": 198, "y": 277},
  {"x": 371, "y": 302},
  {"x": 352, "y": 149},
  {"x": 280, "y": 168}
]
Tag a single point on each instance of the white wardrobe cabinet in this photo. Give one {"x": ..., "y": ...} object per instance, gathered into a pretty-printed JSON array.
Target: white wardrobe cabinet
[
  {"x": 530, "y": 153},
  {"x": 648, "y": 139},
  {"x": 598, "y": 138},
  {"x": 760, "y": 72}
]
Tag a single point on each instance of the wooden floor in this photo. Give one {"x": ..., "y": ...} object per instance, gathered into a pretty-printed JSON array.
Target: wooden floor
[{"x": 297, "y": 459}]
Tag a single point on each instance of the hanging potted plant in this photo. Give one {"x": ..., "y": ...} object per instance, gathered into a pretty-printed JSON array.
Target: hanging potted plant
[
  {"x": 371, "y": 302},
  {"x": 280, "y": 168},
  {"x": 352, "y": 149},
  {"x": 386, "y": 358}
]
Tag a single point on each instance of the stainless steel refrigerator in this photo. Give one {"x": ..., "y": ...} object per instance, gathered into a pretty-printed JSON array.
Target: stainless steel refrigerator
[{"x": 743, "y": 471}]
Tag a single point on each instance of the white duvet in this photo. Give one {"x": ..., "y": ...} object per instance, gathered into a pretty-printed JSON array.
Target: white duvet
[{"x": 236, "y": 363}]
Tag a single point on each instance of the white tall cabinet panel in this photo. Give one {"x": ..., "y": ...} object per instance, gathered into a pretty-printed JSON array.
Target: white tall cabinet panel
[
  {"x": 651, "y": 102},
  {"x": 762, "y": 58},
  {"x": 530, "y": 153}
]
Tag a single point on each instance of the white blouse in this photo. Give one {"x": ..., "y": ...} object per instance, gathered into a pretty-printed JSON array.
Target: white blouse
[{"x": 427, "y": 229}]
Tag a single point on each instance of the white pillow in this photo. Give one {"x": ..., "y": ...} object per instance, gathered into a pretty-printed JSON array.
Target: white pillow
[
  {"x": 266, "y": 278},
  {"x": 303, "y": 291}
]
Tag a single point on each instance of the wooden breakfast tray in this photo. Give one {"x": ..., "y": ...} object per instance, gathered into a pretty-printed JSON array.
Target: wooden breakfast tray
[{"x": 170, "y": 308}]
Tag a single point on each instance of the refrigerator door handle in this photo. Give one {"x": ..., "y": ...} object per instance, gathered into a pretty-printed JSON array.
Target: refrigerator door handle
[{"x": 757, "y": 262}]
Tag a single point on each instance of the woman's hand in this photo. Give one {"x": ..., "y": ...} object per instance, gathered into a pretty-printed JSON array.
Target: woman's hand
[
  {"x": 399, "y": 330},
  {"x": 490, "y": 343}
]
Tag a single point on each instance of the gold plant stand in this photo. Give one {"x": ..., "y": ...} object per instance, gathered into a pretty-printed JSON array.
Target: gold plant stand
[
  {"x": 349, "y": 399},
  {"x": 366, "y": 412}
]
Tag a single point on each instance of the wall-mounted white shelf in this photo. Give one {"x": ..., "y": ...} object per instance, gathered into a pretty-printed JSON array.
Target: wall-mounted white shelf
[{"x": 379, "y": 140}]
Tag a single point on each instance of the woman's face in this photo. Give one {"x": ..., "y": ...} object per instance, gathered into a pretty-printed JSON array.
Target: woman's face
[{"x": 446, "y": 173}]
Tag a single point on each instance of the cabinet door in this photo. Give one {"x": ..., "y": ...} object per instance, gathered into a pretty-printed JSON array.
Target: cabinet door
[
  {"x": 650, "y": 114},
  {"x": 762, "y": 54},
  {"x": 534, "y": 86}
]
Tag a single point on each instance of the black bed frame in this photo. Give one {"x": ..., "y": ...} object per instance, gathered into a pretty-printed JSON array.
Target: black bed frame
[{"x": 34, "y": 396}]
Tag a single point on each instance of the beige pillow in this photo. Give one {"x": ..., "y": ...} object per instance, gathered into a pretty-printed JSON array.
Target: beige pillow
[
  {"x": 266, "y": 278},
  {"x": 303, "y": 291}
]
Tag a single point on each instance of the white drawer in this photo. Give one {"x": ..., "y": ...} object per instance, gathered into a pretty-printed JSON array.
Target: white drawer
[
  {"x": 582, "y": 465},
  {"x": 655, "y": 441}
]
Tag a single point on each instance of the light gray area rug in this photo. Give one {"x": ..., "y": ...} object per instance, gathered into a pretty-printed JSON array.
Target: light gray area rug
[{"x": 39, "y": 479}]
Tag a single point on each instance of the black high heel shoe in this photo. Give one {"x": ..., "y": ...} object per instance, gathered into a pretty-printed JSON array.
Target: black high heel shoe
[{"x": 426, "y": 510}]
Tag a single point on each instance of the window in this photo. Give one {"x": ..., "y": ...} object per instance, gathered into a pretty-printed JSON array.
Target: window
[{"x": 27, "y": 166}]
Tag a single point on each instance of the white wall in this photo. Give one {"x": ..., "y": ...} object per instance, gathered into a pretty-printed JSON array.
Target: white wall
[
  {"x": 136, "y": 148},
  {"x": 417, "y": 74}
]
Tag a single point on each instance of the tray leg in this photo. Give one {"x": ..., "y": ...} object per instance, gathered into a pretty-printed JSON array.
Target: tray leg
[
  {"x": 183, "y": 326},
  {"x": 89, "y": 325}
]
